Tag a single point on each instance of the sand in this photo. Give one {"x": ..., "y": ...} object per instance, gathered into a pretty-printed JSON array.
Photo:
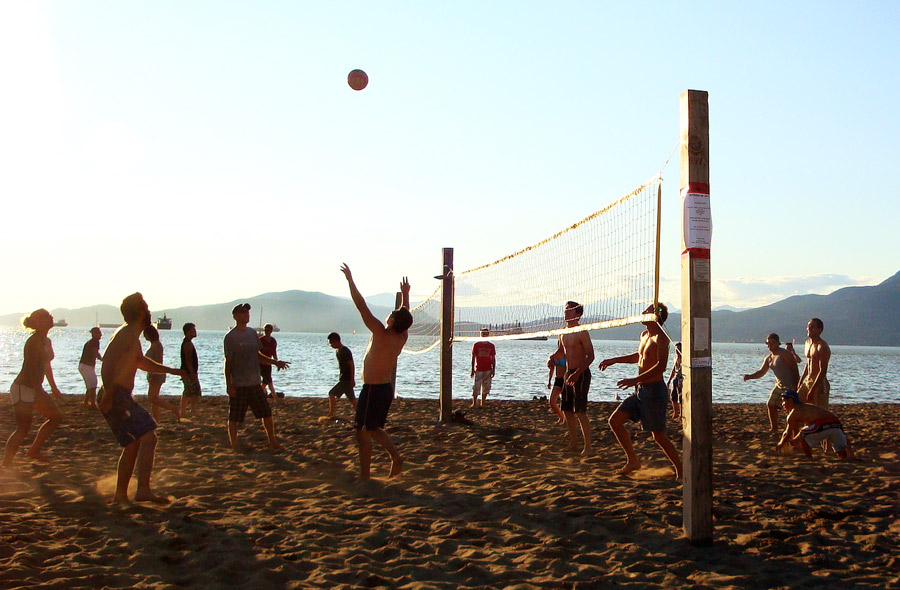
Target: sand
[{"x": 499, "y": 503}]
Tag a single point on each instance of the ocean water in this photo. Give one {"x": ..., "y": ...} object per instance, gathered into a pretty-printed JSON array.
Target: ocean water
[{"x": 857, "y": 373}]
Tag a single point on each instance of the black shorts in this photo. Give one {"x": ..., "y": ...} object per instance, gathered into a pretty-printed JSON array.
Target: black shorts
[
  {"x": 342, "y": 388},
  {"x": 251, "y": 396},
  {"x": 675, "y": 394},
  {"x": 574, "y": 398},
  {"x": 559, "y": 382},
  {"x": 372, "y": 408},
  {"x": 266, "y": 372}
]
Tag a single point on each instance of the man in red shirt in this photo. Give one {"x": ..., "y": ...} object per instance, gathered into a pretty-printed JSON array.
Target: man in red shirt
[
  {"x": 484, "y": 363},
  {"x": 269, "y": 347}
]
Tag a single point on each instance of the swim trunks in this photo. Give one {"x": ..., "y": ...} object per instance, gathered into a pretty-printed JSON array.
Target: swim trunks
[
  {"x": 265, "y": 372},
  {"x": 824, "y": 392},
  {"x": 677, "y": 385},
  {"x": 776, "y": 396},
  {"x": 827, "y": 429},
  {"x": 574, "y": 397},
  {"x": 192, "y": 387},
  {"x": 342, "y": 388},
  {"x": 373, "y": 406},
  {"x": 20, "y": 393},
  {"x": 89, "y": 374},
  {"x": 482, "y": 384},
  {"x": 648, "y": 405},
  {"x": 252, "y": 396},
  {"x": 128, "y": 420}
]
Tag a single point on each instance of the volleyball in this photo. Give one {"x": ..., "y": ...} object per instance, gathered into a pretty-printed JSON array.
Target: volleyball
[{"x": 357, "y": 79}]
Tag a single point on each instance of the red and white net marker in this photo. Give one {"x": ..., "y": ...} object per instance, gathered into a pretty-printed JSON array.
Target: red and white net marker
[{"x": 357, "y": 79}]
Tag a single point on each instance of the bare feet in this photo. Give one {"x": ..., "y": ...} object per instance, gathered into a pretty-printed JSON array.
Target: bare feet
[
  {"x": 276, "y": 447},
  {"x": 573, "y": 446},
  {"x": 37, "y": 456},
  {"x": 396, "y": 467},
  {"x": 177, "y": 415},
  {"x": 149, "y": 496},
  {"x": 587, "y": 452},
  {"x": 629, "y": 467},
  {"x": 119, "y": 500}
]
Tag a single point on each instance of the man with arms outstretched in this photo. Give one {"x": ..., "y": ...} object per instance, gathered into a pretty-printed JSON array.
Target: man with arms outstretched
[
  {"x": 650, "y": 400},
  {"x": 377, "y": 375},
  {"x": 131, "y": 424}
]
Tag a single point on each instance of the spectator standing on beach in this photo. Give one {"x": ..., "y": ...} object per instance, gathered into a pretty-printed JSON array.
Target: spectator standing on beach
[
  {"x": 190, "y": 364},
  {"x": 675, "y": 383},
  {"x": 269, "y": 348},
  {"x": 346, "y": 375},
  {"x": 556, "y": 380},
  {"x": 27, "y": 390},
  {"x": 579, "y": 353},
  {"x": 814, "y": 386},
  {"x": 649, "y": 400},
  {"x": 783, "y": 362},
  {"x": 484, "y": 365},
  {"x": 133, "y": 427},
  {"x": 377, "y": 391},
  {"x": 809, "y": 425},
  {"x": 243, "y": 356},
  {"x": 155, "y": 380},
  {"x": 87, "y": 366}
]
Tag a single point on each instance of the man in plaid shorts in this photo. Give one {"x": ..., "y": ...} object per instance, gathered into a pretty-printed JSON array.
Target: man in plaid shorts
[{"x": 243, "y": 355}]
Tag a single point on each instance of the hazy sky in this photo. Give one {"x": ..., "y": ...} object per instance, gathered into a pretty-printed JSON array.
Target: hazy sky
[{"x": 203, "y": 151}]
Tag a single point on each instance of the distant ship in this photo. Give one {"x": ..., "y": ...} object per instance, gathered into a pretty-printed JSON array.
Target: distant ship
[
  {"x": 164, "y": 323},
  {"x": 60, "y": 323},
  {"x": 110, "y": 325},
  {"x": 262, "y": 329}
]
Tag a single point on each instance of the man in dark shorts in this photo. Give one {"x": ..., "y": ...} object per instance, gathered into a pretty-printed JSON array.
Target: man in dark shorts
[
  {"x": 649, "y": 402},
  {"x": 579, "y": 353},
  {"x": 377, "y": 375},
  {"x": 243, "y": 355},
  {"x": 269, "y": 347},
  {"x": 346, "y": 379},
  {"x": 131, "y": 424}
]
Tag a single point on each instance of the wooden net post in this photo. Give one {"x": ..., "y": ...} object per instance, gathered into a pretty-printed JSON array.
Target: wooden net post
[
  {"x": 447, "y": 337},
  {"x": 696, "y": 329}
]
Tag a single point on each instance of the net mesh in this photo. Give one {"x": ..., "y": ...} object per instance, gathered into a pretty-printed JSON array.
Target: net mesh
[{"x": 608, "y": 262}]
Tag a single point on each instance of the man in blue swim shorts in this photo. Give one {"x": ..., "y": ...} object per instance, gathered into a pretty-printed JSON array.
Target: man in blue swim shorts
[
  {"x": 131, "y": 424},
  {"x": 649, "y": 402},
  {"x": 377, "y": 376}
]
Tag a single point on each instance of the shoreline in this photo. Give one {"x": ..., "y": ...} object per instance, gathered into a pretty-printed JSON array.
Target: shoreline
[{"x": 498, "y": 503}]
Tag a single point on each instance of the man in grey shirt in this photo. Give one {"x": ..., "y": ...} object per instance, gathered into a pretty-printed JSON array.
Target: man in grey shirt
[
  {"x": 242, "y": 377},
  {"x": 783, "y": 362}
]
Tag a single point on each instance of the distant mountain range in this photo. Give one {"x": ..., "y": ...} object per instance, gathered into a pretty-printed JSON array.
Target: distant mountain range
[{"x": 852, "y": 315}]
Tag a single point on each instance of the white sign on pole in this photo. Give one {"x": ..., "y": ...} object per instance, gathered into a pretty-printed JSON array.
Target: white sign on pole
[{"x": 696, "y": 221}]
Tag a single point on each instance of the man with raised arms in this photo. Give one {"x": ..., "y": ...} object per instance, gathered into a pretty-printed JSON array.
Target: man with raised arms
[
  {"x": 131, "y": 424},
  {"x": 650, "y": 400},
  {"x": 809, "y": 425},
  {"x": 579, "y": 354},
  {"x": 783, "y": 362},
  {"x": 814, "y": 386},
  {"x": 377, "y": 375}
]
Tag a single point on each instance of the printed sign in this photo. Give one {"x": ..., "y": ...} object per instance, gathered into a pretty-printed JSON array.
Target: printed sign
[{"x": 696, "y": 221}]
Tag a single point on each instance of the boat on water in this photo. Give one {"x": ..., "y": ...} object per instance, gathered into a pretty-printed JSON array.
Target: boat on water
[
  {"x": 109, "y": 325},
  {"x": 61, "y": 323},
  {"x": 164, "y": 323}
]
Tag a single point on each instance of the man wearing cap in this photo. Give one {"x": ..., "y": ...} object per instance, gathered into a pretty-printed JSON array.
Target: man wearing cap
[
  {"x": 484, "y": 364},
  {"x": 783, "y": 362},
  {"x": 809, "y": 425},
  {"x": 243, "y": 356}
]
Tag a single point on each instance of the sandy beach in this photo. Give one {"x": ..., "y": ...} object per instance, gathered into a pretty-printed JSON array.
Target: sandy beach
[{"x": 498, "y": 503}]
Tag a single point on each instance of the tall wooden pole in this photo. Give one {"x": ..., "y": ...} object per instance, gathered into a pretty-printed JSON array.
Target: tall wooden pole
[
  {"x": 447, "y": 337},
  {"x": 696, "y": 329}
]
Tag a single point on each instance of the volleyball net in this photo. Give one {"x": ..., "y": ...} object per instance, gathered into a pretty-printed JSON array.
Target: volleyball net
[{"x": 608, "y": 262}]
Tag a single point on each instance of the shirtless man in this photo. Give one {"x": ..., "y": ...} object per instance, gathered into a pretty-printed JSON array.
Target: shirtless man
[
  {"x": 809, "y": 425},
  {"x": 783, "y": 362},
  {"x": 377, "y": 374},
  {"x": 648, "y": 403},
  {"x": 814, "y": 386},
  {"x": 131, "y": 424},
  {"x": 90, "y": 354},
  {"x": 579, "y": 354}
]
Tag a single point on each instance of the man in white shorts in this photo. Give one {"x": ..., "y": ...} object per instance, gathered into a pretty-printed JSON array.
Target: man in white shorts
[
  {"x": 809, "y": 425},
  {"x": 90, "y": 354}
]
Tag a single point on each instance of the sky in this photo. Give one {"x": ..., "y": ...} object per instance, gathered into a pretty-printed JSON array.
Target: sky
[{"x": 207, "y": 151}]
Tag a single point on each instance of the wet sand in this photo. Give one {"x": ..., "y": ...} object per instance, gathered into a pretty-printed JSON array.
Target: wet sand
[{"x": 498, "y": 503}]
